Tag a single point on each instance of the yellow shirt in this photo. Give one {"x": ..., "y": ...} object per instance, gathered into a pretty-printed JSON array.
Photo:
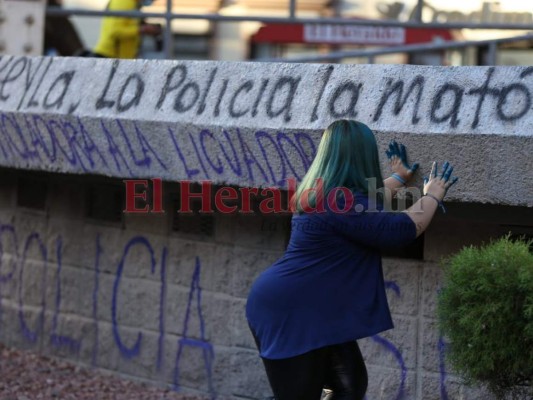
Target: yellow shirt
[{"x": 119, "y": 36}]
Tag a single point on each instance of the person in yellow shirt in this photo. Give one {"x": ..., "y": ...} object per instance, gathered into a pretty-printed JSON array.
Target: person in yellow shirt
[{"x": 120, "y": 37}]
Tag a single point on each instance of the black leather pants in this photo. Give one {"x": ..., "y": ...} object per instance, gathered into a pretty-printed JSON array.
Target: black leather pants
[{"x": 340, "y": 368}]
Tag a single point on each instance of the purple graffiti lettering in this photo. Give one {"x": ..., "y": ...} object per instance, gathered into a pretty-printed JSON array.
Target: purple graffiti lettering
[
  {"x": 259, "y": 136},
  {"x": 145, "y": 147},
  {"x": 394, "y": 350},
  {"x": 56, "y": 339},
  {"x": 198, "y": 157},
  {"x": 237, "y": 170},
  {"x": 393, "y": 286},
  {"x": 309, "y": 157},
  {"x": 203, "y": 135},
  {"x": 75, "y": 147},
  {"x": 71, "y": 158},
  {"x": 30, "y": 335},
  {"x": 249, "y": 158},
  {"x": 133, "y": 351},
  {"x": 202, "y": 343},
  {"x": 24, "y": 152},
  {"x": 38, "y": 137},
  {"x": 283, "y": 138},
  {"x": 89, "y": 146},
  {"x": 114, "y": 150},
  {"x": 190, "y": 172}
]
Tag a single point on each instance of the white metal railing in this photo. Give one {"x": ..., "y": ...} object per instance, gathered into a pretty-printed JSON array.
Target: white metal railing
[
  {"x": 168, "y": 15},
  {"x": 414, "y": 48}
]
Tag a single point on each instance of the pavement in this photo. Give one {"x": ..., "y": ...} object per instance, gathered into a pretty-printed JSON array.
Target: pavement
[{"x": 28, "y": 376}]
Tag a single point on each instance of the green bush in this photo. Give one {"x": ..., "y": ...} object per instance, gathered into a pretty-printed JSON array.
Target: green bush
[{"x": 485, "y": 310}]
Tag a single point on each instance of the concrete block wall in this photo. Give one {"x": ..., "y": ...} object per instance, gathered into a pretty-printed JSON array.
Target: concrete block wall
[
  {"x": 131, "y": 297},
  {"x": 138, "y": 299},
  {"x": 134, "y": 298}
]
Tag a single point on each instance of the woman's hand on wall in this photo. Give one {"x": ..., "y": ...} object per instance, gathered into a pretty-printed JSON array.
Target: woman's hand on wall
[
  {"x": 435, "y": 188},
  {"x": 438, "y": 184},
  {"x": 397, "y": 155}
]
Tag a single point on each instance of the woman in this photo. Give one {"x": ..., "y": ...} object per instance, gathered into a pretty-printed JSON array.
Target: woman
[{"x": 307, "y": 310}]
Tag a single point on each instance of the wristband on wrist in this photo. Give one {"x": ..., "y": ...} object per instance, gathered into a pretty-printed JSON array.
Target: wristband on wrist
[
  {"x": 439, "y": 202},
  {"x": 398, "y": 178}
]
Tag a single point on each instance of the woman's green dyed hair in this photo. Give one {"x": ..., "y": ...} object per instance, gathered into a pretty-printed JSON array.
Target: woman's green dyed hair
[{"x": 347, "y": 156}]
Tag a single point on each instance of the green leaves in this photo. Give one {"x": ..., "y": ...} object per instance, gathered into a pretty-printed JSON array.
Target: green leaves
[{"x": 485, "y": 310}]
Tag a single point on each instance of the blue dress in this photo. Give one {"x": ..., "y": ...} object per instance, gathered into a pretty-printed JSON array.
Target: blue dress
[{"x": 328, "y": 287}]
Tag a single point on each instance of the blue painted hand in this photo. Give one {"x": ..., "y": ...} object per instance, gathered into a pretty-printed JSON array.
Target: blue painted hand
[
  {"x": 438, "y": 183},
  {"x": 397, "y": 155}
]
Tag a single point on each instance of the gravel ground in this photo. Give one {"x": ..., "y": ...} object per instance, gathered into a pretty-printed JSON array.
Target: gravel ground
[{"x": 27, "y": 376}]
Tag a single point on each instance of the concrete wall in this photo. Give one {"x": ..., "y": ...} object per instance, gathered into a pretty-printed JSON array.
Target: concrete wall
[
  {"x": 124, "y": 296},
  {"x": 136, "y": 296},
  {"x": 258, "y": 123}
]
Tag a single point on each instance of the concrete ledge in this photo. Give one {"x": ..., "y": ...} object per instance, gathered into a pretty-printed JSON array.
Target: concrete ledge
[{"x": 256, "y": 124}]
